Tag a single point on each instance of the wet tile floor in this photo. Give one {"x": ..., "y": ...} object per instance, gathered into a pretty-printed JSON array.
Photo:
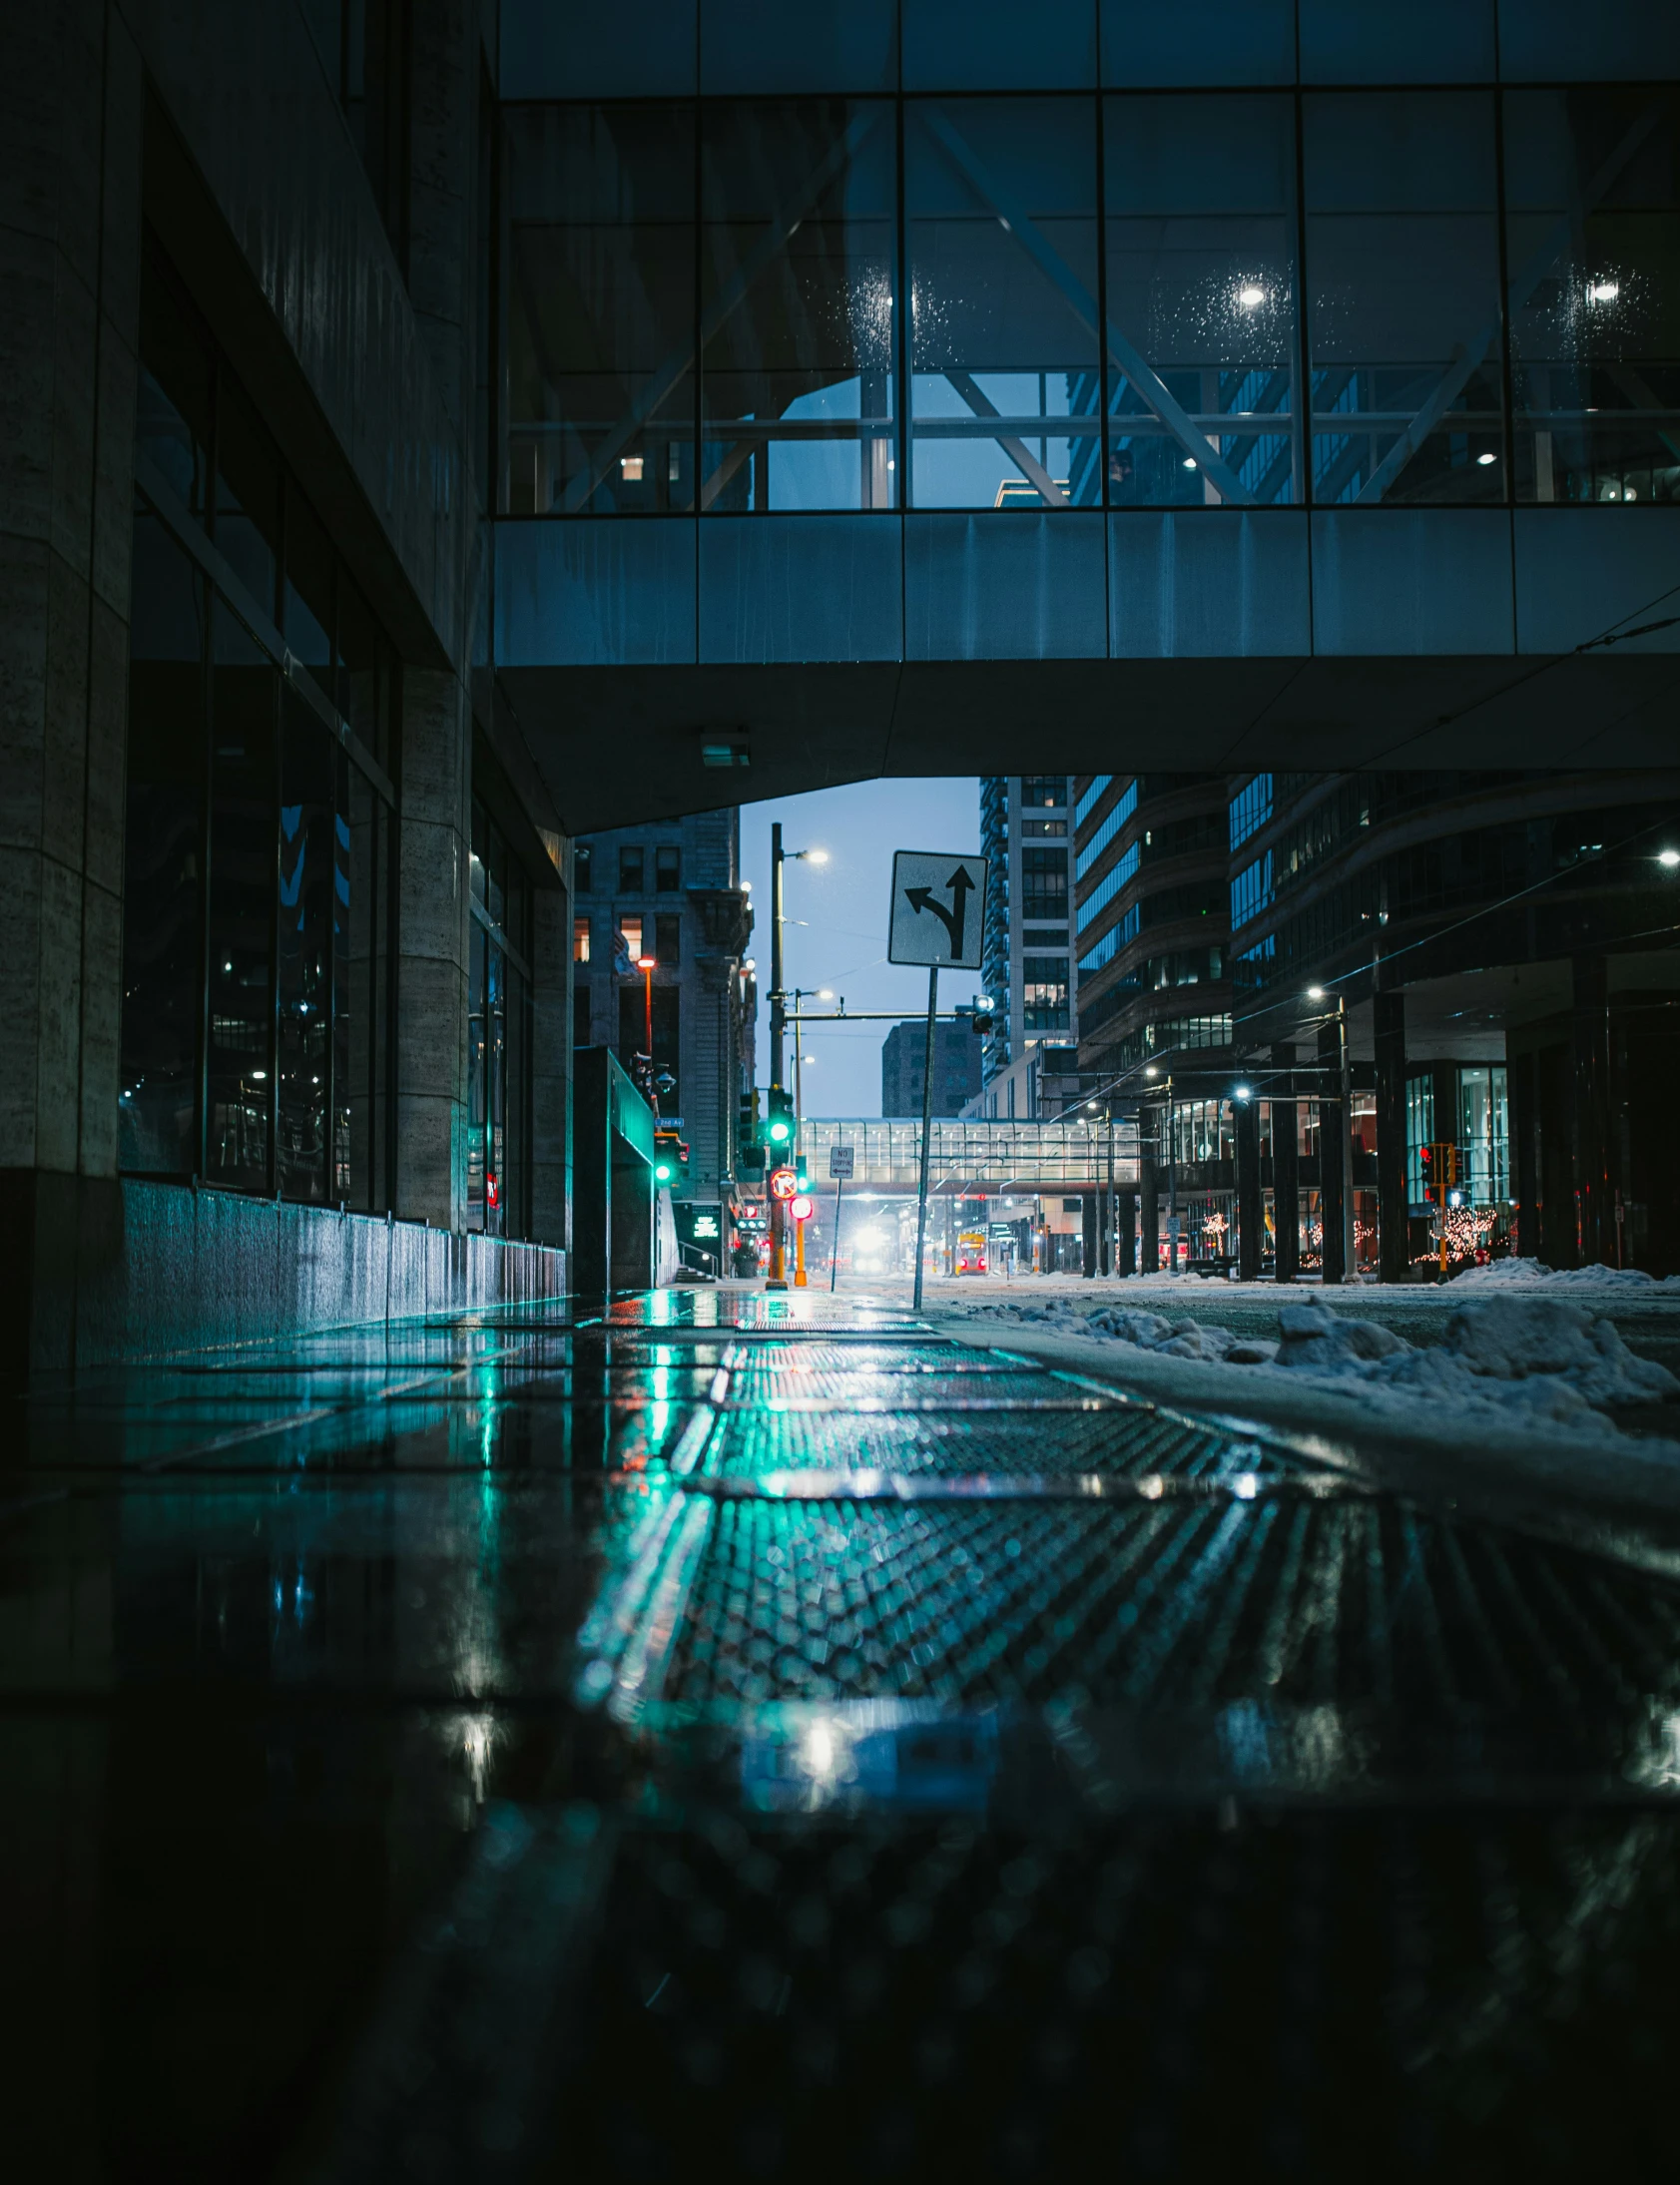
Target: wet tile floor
[{"x": 758, "y": 1735}]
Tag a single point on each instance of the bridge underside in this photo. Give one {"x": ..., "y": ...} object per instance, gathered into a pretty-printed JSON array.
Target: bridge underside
[{"x": 624, "y": 744}]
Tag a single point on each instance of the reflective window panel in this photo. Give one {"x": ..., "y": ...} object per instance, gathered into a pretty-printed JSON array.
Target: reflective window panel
[
  {"x": 361, "y": 987},
  {"x": 798, "y": 213},
  {"x": 1592, "y": 249},
  {"x": 600, "y": 309},
  {"x": 304, "y": 919},
  {"x": 1000, "y": 213},
  {"x": 162, "y": 865},
  {"x": 248, "y": 496},
  {"x": 243, "y": 696},
  {"x": 1199, "y": 232},
  {"x": 1404, "y": 325}
]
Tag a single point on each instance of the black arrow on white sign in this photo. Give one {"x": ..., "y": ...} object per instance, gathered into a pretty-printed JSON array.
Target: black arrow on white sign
[{"x": 956, "y": 919}]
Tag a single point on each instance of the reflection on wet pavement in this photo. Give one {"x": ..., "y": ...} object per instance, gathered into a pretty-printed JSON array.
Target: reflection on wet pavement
[{"x": 523, "y": 1746}]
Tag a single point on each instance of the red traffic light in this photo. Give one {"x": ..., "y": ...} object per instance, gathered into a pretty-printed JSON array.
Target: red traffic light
[
  {"x": 802, "y": 1208},
  {"x": 783, "y": 1183}
]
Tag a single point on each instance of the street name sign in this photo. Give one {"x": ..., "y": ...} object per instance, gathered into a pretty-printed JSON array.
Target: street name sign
[{"x": 938, "y": 909}]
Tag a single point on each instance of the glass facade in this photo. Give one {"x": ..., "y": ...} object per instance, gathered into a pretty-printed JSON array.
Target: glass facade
[
  {"x": 1218, "y": 297},
  {"x": 798, "y": 251},
  {"x": 1403, "y": 319},
  {"x": 1200, "y": 233},
  {"x": 258, "y": 899},
  {"x": 1001, "y": 214},
  {"x": 1592, "y": 194}
]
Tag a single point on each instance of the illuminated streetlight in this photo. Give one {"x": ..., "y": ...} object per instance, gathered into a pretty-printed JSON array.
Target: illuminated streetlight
[
  {"x": 1603, "y": 292},
  {"x": 1315, "y": 993},
  {"x": 1251, "y": 297},
  {"x": 1669, "y": 857},
  {"x": 1486, "y": 459}
]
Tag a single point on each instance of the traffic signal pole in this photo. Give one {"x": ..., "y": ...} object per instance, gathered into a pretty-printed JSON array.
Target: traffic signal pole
[
  {"x": 778, "y": 1032},
  {"x": 926, "y": 1129}
]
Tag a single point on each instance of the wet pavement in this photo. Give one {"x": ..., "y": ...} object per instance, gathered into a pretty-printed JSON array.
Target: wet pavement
[{"x": 758, "y": 1735}]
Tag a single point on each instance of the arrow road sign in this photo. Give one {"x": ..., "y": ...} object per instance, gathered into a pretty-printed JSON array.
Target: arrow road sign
[{"x": 936, "y": 910}]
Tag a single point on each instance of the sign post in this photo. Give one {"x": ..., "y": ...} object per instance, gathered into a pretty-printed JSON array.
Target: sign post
[
  {"x": 936, "y": 918},
  {"x": 840, "y": 1167}
]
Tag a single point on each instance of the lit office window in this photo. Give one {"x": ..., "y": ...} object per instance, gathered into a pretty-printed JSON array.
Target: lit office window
[
  {"x": 600, "y": 374},
  {"x": 1199, "y": 198},
  {"x": 580, "y": 940},
  {"x": 798, "y": 252},
  {"x": 1001, "y": 210},
  {"x": 1592, "y": 252},
  {"x": 1404, "y": 321}
]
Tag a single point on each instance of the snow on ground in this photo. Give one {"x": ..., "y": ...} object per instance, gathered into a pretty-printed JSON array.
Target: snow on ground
[
  {"x": 1541, "y": 1358},
  {"x": 1535, "y": 1273}
]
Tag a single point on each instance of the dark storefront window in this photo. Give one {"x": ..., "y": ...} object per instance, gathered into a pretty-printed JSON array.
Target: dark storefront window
[
  {"x": 258, "y": 908},
  {"x": 163, "y": 947},
  {"x": 1000, "y": 207},
  {"x": 798, "y": 213},
  {"x": 600, "y": 309},
  {"x": 1593, "y": 192},
  {"x": 1404, "y": 320},
  {"x": 498, "y": 1036},
  {"x": 1201, "y": 244}
]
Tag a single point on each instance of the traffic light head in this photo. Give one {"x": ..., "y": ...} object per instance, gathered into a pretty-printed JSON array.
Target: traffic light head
[
  {"x": 779, "y": 1130},
  {"x": 671, "y": 1158}
]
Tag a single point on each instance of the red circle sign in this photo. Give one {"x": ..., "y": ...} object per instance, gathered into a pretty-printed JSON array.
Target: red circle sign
[
  {"x": 783, "y": 1183},
  {"x": 801, "y": 1208}
]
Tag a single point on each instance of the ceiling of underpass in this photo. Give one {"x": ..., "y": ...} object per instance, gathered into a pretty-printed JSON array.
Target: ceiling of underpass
[{"x": 620, "y": 745}]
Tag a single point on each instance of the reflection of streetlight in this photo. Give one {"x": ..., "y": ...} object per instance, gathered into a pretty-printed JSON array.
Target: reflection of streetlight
[
  {"x": 1603, "y": 292},
  {"x": 1252, "y": 296}
]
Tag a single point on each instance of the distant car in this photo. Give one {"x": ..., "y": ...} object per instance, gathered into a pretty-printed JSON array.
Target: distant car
[{"x": 971, "y": 1253}]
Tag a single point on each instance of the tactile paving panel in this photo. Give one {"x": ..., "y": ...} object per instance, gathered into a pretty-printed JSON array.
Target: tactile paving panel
[
  {"x": 1124, "y": 1441},
  {"x": 1410, "y": 1996},
  {"x": 1192, "y": 1602}
]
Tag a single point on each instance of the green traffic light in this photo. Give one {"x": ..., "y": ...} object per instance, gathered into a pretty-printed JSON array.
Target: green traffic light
[
  {"x": 663, "y": 1172},
  {"x": 779, "y": 1132}
]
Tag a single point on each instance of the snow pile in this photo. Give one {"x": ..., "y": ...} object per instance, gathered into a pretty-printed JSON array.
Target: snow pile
[
  {"x": 1553, "y": 1359},
  {"x": 1533, "y": 1274},
  {"x": 1540, "y": 1358}
]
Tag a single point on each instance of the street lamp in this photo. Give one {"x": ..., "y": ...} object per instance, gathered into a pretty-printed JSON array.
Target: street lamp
[
  {"x": 1668, "y": 858},
  {"x": 646, "y": 965},
  {"x": 779, "y": 1027},
  {"x": 1345, "y": 1090}
]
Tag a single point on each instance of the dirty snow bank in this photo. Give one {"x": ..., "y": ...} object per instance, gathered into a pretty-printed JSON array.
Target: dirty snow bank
[
  {"x": 1545, "y": 1357},
  {"x": 1535, "y": 1273}
]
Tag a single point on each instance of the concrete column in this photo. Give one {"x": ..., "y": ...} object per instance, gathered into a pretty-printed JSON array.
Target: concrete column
[
  {"x": 1333, "y": 1156},
  {"x": 1250, "y": 1215},
  {"x": 1088, "y": 1223},
  {"x": 1126, "y": 1231},
  {"x": 1596, "y": 1222},
  {"x": 436, "y": 831},
  {"x": 1525, "y": 1163},
  {"x": 551, "y": 1067},
  {"x": 70, "y": 232},
  {"x": 1391, "y": 1219},
  {"x": 1285, "y": 1188}
]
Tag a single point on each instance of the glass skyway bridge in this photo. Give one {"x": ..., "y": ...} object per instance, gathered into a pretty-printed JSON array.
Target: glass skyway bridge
[{"x": 1065, "y": 1152}]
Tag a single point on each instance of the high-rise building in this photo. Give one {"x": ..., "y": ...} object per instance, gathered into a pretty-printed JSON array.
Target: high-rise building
[
  {"x": 1025, "y": 833},
  {"x": 671, "y": 891},
  {"x": 956, "y": 1066},
  {"x": 1151, "y": 917}
]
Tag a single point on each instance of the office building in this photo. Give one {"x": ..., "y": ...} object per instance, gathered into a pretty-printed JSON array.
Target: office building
[
  {"x": 671, "y": 893},
  {"x": 956, "y": 1066},
  {"x": 1025, "y": 835}
]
